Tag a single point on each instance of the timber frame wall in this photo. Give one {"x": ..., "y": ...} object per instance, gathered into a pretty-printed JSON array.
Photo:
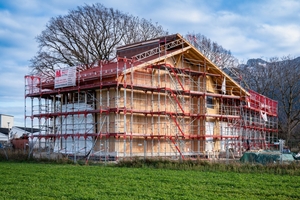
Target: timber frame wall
[{"x": 173, "y": 107}]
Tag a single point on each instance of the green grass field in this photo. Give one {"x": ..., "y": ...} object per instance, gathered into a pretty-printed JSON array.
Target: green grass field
[{"x": 66, "y": 181}]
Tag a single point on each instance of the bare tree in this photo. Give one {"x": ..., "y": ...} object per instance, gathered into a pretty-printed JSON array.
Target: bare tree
[
  {"x": 141, "y": 29},
  {"x": 213, "y": 51},
  {"x": 287, "y": 92},
  {"x": 256, "y": 72},
  {"x": 279, "y": 80},
  {"x": 86, "y": 35}
]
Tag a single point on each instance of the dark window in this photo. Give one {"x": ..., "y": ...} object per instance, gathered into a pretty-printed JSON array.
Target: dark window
[{"x": 209, "y": 102}]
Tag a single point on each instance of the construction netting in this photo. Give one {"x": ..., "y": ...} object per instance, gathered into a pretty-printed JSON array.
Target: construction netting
[{"x": 71, "y": 129}]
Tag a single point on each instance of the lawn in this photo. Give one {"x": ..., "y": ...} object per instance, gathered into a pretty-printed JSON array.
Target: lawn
[{"x": 66, "y": 181}]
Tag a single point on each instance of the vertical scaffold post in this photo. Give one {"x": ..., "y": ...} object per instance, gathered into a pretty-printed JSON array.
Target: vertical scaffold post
[
  {"x": 124, "y": 110},
  {"x": 131, "y": 105},
  {"x": 145, "y": 148}
]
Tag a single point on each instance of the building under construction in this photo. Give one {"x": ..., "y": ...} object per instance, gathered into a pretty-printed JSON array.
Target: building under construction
[{"x": 160, "y": 98}]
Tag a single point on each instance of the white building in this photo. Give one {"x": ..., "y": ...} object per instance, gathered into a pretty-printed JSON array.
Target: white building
[
  {"x": 6, "y": 121},
  {"x": 4, "y": 134}
]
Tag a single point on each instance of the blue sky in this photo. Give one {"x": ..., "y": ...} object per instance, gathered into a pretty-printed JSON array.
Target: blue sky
[{"x": 250, "y": 29}]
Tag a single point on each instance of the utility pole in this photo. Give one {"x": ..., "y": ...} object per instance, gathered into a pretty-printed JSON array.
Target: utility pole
[{"x": 8, "y": 131}]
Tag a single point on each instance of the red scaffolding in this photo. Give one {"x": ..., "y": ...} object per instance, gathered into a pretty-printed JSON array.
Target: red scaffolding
[{"x": 167, "y": 101}]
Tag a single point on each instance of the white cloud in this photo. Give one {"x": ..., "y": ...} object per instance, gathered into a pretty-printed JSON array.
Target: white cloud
[
  {"x": 273, "y": 10},
  {"x": 183, "y": 13},
  {"x": 282, "y": 34},
  {"x": 7, "y": 20}
]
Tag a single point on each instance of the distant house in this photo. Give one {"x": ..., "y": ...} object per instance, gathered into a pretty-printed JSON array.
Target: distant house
[
  {"x": 4, "y": 134},
  {"x": 17, "y": 132},
  {"x": 18, "y": 136},
  {"x": 6, "y": 121}
]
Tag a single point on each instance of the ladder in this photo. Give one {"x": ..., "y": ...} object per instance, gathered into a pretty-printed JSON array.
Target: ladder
[{"x": 171, "y": 141}]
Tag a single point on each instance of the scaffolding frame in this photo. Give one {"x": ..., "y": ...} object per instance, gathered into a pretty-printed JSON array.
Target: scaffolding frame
[{"x": 173, "y": 108}]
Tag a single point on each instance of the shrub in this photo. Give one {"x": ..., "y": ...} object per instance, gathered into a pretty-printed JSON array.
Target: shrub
[{"x": 204, "y": 165}]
